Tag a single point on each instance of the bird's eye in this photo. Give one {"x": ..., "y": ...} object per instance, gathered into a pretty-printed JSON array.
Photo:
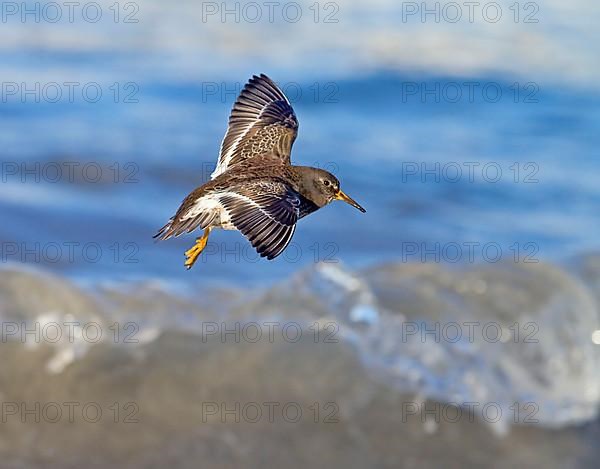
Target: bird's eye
[{"x": 326, "y": 182}]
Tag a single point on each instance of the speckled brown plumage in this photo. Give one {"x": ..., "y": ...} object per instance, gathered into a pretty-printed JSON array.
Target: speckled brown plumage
[{"x": 254, "y": 188}]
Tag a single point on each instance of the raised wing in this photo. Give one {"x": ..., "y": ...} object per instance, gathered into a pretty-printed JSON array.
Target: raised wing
[
  {"x": 266, "y": 213},
  {"x": 262, "y": 122}
]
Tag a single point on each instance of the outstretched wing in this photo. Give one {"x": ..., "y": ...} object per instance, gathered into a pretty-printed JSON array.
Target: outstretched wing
[
  {"x": 265, "y": 212},
  {"x": 262, "y": 122}
]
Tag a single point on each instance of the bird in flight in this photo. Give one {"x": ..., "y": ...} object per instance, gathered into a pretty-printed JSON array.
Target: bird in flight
[{"x": 255, "y": 189}]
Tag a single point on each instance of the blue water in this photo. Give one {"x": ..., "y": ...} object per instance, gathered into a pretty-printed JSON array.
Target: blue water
[
  {"x": 444, "y": 178},
  {"x": 417, "y": 165}
]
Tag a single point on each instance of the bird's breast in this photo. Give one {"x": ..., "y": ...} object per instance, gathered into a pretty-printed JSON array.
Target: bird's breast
[{"x": 307, "y": 206}]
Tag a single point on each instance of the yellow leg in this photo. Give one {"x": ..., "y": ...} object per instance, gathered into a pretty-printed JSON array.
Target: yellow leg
[{"x": 191, "y": 255}]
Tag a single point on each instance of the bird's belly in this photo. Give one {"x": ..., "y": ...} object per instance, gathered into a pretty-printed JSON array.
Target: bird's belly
[
  {"x": 211, "y": 203},
  {"x": 226, "y": 222},
  {"x": 222, "y": 219}
]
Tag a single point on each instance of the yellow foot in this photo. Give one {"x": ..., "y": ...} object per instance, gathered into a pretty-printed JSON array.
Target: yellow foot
[{"x": 191, "y": 255}]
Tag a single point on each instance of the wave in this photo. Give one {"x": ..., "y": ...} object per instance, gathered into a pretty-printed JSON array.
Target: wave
[
  {"x": 520, "y": 337},
  {"x": 528, "y": 40}
]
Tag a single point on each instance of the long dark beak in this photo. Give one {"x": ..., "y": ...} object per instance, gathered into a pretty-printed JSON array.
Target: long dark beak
[{"x": 349, "y": 200}]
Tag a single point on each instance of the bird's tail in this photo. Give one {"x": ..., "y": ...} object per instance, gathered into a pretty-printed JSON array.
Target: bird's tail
[
  {"x": 165, "y": 232},
  {"x": 177, "y": 225}
]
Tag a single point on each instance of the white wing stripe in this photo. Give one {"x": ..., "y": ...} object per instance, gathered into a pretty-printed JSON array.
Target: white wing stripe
[{"x": 258, "y": 94}]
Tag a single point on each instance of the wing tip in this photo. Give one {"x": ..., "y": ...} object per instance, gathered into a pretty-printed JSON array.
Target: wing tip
[
  {"x": 260, "y": 77},
  {"x": 268, "y": 85}
]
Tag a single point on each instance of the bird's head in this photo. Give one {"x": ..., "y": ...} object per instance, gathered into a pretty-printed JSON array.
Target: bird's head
[{"x": 324, "y": 187}]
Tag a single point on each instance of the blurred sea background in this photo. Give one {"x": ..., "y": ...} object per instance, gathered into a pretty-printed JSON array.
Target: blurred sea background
[{"x": 374, "y": 85}]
